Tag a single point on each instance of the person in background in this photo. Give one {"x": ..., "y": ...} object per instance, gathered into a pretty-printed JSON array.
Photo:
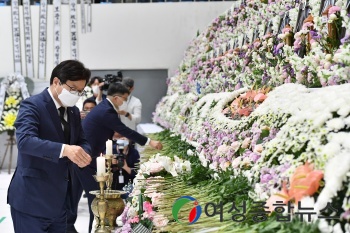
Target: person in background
[
  {"x": 88, "y": 105},
  {"x": 51, "y": 144},
  {"x": 99, "y": 126},
  {"x": 96, "y": 84},
  {"x": 132, "y": 158},
  {"x": 130, "y": 115}
]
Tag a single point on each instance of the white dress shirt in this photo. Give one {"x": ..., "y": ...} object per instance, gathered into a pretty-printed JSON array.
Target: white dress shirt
[{"x": 134, "y": 108}]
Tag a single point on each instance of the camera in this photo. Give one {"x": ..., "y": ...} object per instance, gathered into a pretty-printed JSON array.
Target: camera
[
  {"x": 111, "y": 78},
  {"x": 120, "y": 150}
]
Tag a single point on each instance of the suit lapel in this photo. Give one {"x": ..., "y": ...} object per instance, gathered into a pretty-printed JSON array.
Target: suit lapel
[
  {"x": 71, "y": 121},
  {"x": 51, "y": 108}
]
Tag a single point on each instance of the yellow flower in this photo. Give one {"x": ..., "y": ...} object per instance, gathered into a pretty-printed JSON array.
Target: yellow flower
[
  {"x": 11, "y": 101},
  {"x": 9, "y": 119}
]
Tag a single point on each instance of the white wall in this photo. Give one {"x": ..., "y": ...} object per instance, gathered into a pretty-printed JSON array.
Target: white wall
[{"x": 124, "y": 36}]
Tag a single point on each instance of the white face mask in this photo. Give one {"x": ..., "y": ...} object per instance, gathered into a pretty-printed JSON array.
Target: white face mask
[
  {"x": 124, "y": 106},
  {"x": 95, "y": 89},
  {"x": 68, "y": 99}
]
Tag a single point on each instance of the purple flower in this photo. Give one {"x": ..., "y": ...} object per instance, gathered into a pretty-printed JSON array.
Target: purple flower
[
  {"x": 254, "y": 157},
  {"x": 345, "y": 38},
  {"x": 315, "y": 35},
  {"x": 265, "y": 178}
]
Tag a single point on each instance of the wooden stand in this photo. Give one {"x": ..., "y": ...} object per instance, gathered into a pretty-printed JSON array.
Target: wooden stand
[{"x": 11, "y": 141}]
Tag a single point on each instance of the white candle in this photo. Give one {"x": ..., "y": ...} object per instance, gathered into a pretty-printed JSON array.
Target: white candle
[
  {"x": 101, "y": 165},
  {"x": 109, "y": 150}
]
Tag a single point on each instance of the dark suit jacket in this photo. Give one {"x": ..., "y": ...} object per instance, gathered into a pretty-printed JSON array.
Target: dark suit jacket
[
  {"x": 39, "y": 184},
  {"x": 99, "y": 126}
]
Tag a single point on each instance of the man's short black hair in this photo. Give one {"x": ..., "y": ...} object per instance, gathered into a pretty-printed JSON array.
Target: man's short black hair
[
  {"x": 89, "y": 101},
  {"x": 128, "y": 82},
  {"x": 72, "y": 70},
  {"x": 117, "y": 89},
  {"x": 92, "y": 80}
]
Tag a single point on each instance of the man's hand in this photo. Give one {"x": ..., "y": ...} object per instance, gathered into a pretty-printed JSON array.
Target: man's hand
[
  {"x": 83, "y": 114},
  {"x": 156, "y": 144},
  {"x": 122, "y": 112},
  {"x": 77, "y": 155},
  {"x": 101, "y": 85}
]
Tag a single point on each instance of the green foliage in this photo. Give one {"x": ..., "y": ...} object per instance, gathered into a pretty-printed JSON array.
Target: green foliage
[{"x": 272, "y": 226}]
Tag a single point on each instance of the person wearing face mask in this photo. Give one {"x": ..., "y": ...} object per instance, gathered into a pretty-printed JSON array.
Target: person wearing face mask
[
  {"x": 51, "y": 144},
  {"x": 100, "y": 125},
  {"x": 96, "y": 83}
]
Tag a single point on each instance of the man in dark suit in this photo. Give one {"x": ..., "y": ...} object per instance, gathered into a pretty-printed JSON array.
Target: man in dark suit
[
  {"x": 100, "y": 125},
  {"x": 51, "y": 143}
]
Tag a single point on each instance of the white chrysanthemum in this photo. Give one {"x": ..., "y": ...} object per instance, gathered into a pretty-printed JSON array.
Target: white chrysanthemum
[
  {"x": 335, "y": 124},
  {"x": 324, "y": 227},
  {"x": 334, "y": 175},
  {"x": 344, "y": 110},
  {"x": 331, "y": 149},
  {"x": 190, "y": 152}
]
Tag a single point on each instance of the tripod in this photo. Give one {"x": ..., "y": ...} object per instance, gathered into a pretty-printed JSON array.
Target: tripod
[{"x": 11, "y": 141}]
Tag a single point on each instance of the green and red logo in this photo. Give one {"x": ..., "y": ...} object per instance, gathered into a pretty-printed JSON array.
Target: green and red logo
[{"x": 195, "y": 212}]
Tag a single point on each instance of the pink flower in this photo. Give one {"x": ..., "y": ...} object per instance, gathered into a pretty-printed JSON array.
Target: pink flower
[
  {"x": 304, "y": 182},
  {"x": 155, "y": 167},
  {"x": 284, "y": 30},
  {"x": 258, "y": 148},
  {"x": 160, "y": 221},
  {"x": 225, "y": 111},
  {"x": 236, "y": 162},
  {"x": 257, "y": 44},
  {"x": 245, "y": 143},
  {"x": 134, "y": 219},
  {"x": 222, "y": 150},
  {"x": 333, "y": 10},
  {"x": 245, "y": 111},
  {"x": 308, "y": 24},
  {"x": 281, "y": 196},
  {"x": 235, "y": 145},
  {"x": 147, "y": 206},
  {"x": 260, "y": 97}
]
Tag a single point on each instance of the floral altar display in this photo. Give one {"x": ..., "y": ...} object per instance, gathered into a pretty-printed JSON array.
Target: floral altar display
[
  {"x": 12, "y": 90},
  {"x": 259, "y": 108}
]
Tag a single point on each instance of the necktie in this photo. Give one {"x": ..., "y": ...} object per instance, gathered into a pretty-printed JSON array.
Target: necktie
[{"x": 66, "y": 128}]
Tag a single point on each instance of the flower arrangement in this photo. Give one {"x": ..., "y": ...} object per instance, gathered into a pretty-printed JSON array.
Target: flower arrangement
[
  {"x": 141, "y": 211},
  {"x": 294, "y": 145},
  {"x": 12, "y": 90},
  {"x": 245, "y": 104},
  {"x": 9, "y": 114}
]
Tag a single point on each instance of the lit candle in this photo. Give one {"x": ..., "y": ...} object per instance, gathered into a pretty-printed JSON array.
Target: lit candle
[
  {"x": 101, "y": 165},
  {"x": 109, "y": 150}
]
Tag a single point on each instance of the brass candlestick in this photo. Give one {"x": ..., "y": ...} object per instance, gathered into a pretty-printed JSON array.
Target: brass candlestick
[
  {"x": 109, "y": 171},
  {"x": 102, "y": 204},
  {"x": 108, "y": 204}
]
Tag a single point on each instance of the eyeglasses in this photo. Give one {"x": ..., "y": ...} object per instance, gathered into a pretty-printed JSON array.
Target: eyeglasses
[
  {"x": 125, "y": 99},
  {"x": 73, "y": 91}
]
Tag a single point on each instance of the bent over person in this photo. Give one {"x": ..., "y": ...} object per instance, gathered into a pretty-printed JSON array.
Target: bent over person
[
  {"x": 51, "y": 143},
  {"x": 99, "y": 126}
]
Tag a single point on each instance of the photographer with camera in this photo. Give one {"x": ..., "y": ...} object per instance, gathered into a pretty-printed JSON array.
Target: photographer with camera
[
  {"x": 96, "y": 84},
  {"x": 124, "y": 163},
  {"x": 111, "y": 78}
]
